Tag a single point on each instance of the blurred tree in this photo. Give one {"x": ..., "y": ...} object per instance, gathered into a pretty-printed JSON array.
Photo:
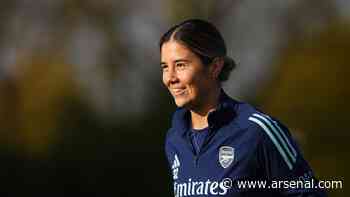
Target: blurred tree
[{"x": 41, "y": 89}]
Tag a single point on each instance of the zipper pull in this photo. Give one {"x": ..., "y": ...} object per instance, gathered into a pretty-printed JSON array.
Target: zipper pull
[{"x": 196, "y": 160}]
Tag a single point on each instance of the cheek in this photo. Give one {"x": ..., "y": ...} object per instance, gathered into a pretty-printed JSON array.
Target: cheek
[
  {"x": 187, "y": 77},
  {"x": 192, "y": 83},
  {"x": 199, "y": 85},
  {"x": 165, "y": 79}
]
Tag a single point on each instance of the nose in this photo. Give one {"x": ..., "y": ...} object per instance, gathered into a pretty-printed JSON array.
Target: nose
[
  {"x": 170, "y": 77},
  {"x": 173, "y": 76}
]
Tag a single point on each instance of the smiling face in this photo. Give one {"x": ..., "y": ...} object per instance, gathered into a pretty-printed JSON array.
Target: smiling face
[{"x": 185, "y": 76}]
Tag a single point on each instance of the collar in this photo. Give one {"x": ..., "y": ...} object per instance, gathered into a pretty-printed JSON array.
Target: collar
[{"x": 222, "y": 115}]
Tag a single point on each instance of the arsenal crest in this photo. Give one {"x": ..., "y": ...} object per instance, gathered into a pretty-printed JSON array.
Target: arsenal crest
[{"x": 226, "y": 156}]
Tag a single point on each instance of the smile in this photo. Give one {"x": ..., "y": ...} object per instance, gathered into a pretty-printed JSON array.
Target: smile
[{"x": 178, "y": 91}]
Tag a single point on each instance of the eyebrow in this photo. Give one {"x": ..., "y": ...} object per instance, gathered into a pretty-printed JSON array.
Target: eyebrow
[{"x": 176, "y": 61}]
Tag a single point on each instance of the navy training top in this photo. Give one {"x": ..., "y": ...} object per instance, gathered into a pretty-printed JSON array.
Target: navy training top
[
  {"x": 243, "y": 152},
  {"x": 197, "y": 138}
]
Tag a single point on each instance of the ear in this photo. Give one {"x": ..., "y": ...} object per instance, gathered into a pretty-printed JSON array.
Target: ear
[{"x": 216, "y": 67}]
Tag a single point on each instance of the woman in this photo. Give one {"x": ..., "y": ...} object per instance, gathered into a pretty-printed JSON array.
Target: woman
[{"x": 215, "y": 142}]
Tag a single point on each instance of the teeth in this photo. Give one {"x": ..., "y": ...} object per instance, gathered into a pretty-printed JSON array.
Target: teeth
[{"x": 178, "y": 91}]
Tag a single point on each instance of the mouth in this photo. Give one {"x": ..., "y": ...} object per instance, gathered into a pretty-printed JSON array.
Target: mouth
[{"x": 178, "y": 91}]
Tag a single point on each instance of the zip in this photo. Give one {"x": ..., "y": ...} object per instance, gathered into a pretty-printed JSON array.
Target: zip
[{"x": 206, "y": 141}]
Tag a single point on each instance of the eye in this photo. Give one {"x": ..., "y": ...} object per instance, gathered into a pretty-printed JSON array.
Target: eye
[
  {"x": 181, "y": 65},
  {"x": 164, "y": 67}
]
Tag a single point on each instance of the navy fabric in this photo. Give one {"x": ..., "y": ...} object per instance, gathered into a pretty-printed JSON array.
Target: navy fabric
[
  {"x": 197, "y": 138},
  {"x": 241, "y": 143}
]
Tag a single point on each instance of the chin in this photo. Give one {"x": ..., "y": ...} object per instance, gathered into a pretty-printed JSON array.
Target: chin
[{"x": 180, "y": 103}]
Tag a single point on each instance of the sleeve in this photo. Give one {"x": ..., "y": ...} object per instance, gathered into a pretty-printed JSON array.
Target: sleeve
[
  {"x": 169, "y": 153},
  {"x": 281, "y": 160}
]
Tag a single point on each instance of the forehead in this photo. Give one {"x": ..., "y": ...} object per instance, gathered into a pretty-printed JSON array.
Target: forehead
[{"x": 172, "y": 51}]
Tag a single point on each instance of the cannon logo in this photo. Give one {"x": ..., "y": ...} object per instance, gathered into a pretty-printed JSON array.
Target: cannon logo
[
  {"x": 226, "y": 156},
  {"x": 202, "y": 188}
]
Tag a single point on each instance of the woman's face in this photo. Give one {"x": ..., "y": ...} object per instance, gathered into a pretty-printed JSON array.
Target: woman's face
[{"x": 186, "y": 78}]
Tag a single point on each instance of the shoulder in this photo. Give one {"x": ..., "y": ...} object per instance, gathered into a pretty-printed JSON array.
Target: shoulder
[
  {"x": 259, "y": 123},
  {"x": 246, "y": 115},
  {"x": 177, "y": 122},
  {"x": 274, "y": 137},
  {"x": 169, "y": 135}
]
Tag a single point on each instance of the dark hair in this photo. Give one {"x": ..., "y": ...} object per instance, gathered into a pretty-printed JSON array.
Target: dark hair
[{"x": 202, "y": 38}]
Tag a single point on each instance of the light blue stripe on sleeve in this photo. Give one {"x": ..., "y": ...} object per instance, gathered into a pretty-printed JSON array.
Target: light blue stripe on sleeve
[
  {"x": 283, "y": 134},
  {"x": 272, "y": 137},
  {"x": 277, "y": 133}
]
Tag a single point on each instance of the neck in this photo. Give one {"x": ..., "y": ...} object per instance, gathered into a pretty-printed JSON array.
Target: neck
[{"x": 199, "y": 115}]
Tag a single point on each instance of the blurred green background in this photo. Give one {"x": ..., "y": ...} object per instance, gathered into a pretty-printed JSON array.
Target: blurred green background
[{"x": 83, "y": 110}]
